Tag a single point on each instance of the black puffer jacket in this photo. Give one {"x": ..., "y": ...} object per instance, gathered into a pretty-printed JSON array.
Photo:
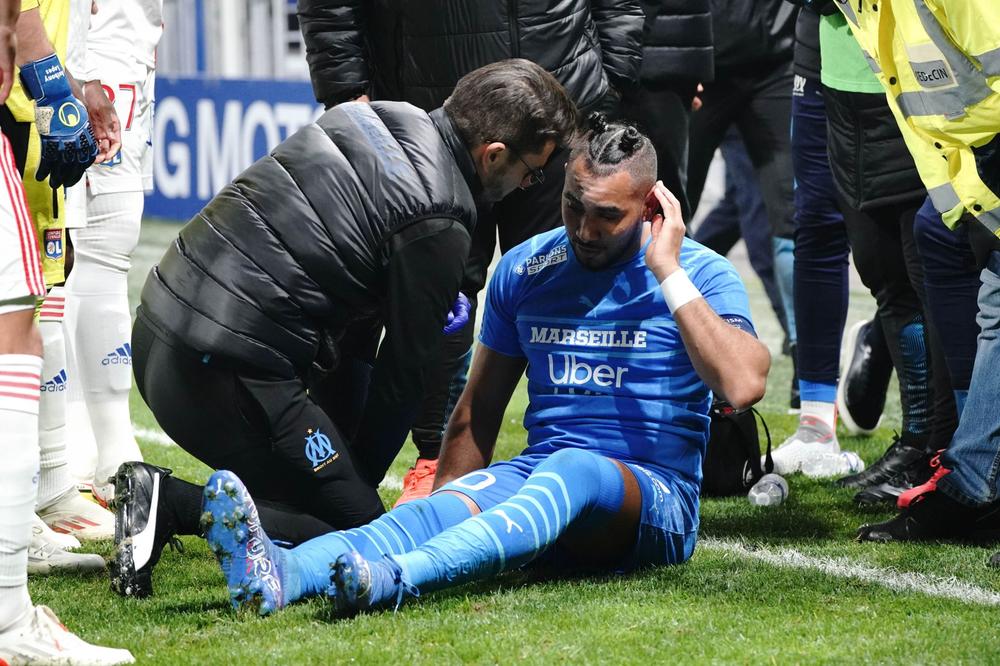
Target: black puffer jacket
[
  {"x": 362, "y": 217},
  {"x": 751, "y": 33},
  {"x": 416, "y": 51},
  {"x": 677, "y": 41},
  {"x": 869, "y": 160}
]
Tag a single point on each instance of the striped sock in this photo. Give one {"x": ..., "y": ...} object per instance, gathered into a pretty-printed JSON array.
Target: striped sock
[
  {"x": 393, "y": 533},
  {"x": 55, "y": 478},
  {"x": 19, "y": 380},
  {"x": 571, "y": 485}
]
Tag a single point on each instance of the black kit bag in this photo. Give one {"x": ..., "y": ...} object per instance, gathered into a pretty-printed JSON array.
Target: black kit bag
[{"x": 732, "y": 461}]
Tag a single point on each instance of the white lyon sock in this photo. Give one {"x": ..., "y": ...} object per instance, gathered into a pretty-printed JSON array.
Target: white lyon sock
[
  {"x": 54, "y": 477},
  {"x": 19, "y": 380}
]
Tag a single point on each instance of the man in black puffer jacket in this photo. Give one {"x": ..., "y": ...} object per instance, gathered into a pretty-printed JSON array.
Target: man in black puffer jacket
[
  {"x": 257, "y": 331},
  {"x": 415, "y": 52}
]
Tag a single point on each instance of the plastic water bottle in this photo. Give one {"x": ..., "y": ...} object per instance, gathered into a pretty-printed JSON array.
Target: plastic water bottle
[
  {"x": 833, "y": 464},
  {"x": 770, "y": 490}
]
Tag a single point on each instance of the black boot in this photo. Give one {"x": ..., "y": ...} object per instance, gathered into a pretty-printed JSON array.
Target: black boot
[{"x": 935, "y": 516}]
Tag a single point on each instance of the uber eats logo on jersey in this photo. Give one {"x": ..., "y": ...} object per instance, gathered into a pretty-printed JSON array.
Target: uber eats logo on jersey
[{"x": 319, "y": 450}]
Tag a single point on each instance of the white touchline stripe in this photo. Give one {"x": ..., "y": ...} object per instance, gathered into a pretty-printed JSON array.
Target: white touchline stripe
[
  {"x": 390, "y": 482},
  {"x": 154, "y": 436},
  {"x": 900, "y": 581}
]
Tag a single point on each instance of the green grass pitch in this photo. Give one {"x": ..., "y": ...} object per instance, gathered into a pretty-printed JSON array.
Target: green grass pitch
[{"x": 782, "y": 585}]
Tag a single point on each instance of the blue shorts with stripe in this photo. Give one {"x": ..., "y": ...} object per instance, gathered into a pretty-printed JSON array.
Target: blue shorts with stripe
[{"x": 668, "y": 524}]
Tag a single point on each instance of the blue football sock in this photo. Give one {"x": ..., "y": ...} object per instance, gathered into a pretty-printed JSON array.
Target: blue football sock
[
  {"x": 570, "y": 486},
  {"x": 784, "y": 269},
  {"x": 818, "y": 391},
  {"x": 393, "y": 533},
  {"x": 914, "y": 385}
]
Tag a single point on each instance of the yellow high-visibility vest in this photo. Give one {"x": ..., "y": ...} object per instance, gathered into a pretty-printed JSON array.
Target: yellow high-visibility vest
[{"x": 939, "y": 62}]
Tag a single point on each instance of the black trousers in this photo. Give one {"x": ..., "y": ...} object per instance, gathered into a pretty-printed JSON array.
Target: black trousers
[
  {"x": 886, "y": 256},
  {"x": 663, "y": 113},
  {"x": 759, "y": 103},
  {"x": 288, "y": 442}
]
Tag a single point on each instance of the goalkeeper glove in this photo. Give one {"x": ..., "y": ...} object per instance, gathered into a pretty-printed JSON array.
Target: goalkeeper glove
[{"x": 68, "y": 145}]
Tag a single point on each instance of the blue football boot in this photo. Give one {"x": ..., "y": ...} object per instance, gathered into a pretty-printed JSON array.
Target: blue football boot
[
  {"x": 357, "y": 584},
  {"x": 252, "y": 564}
]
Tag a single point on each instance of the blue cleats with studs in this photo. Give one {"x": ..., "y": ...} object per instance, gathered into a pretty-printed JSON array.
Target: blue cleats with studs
[
  {"x": 357, "y": 584},
  {"x": 252, "y": 564}
]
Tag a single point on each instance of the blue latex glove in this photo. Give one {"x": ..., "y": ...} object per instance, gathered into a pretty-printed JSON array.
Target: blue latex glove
[
  {"x": 68, "y": 144},
  {"x": 459, "y": 315}
]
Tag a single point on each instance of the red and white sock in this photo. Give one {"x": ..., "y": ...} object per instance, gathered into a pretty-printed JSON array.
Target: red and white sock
[
  {"x": 20, "y": 376},
  {"x": 825, "y": 412},
  {"x": 54, "y": 478}
]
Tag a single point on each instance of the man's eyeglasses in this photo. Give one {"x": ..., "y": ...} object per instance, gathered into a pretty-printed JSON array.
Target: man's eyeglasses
[{"x": 535, "y": 174}]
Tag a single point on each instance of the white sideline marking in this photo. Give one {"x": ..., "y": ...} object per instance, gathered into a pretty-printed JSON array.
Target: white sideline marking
[
  {"x": 390, "y": 482},
  {"x": 154, "y": 436},
  {"x": 899, "y": 581}
]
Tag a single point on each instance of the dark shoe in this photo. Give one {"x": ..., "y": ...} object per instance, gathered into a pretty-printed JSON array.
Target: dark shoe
[
  {"x": 937, "y": 517},
  {"x": 865, "y": 371},
  {"x": 930, "y": 485},
  {"x": 900, "y": 455},
  {"x": 142, "y": 527},
  {"x": 889, "y": 491}
]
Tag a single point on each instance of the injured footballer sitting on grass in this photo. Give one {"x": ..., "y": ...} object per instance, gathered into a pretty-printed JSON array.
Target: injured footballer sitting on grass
[{"x": 617, "y": 421}]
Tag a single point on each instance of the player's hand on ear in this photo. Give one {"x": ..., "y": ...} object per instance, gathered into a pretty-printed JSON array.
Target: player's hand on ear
[{"x": 667, "y": 229}]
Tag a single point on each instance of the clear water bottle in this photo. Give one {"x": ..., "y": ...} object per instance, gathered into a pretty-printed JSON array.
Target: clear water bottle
[
  {"x": 770, "y": 490},
  {"x": 833, "y": 464}
]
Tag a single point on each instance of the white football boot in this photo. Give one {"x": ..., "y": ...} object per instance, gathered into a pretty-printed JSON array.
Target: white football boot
[
  {"x": 812, "y": 441},
  {"x": 74, "y": 514},
  {"x": 44, "y": 556},
  {"x": 42, "y": 639},
  {"x": 64, "y": 541}
]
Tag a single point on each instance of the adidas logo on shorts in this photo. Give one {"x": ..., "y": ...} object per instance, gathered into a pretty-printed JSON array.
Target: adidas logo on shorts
[
  {"x": 57, "y": 383},
  {"x": 120, "y": 356}
]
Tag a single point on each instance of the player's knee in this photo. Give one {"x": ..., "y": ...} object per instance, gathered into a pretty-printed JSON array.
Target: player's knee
[
  {"x": 579, "y": 465},
  {"x": 18, "y": 333}
]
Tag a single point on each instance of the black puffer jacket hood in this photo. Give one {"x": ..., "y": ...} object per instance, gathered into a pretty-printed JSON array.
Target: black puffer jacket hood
[{"x": 417, "y": 51}]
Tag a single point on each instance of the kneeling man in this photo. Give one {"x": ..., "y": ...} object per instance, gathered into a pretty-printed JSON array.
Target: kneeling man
[{"x": 625, "y": 328}]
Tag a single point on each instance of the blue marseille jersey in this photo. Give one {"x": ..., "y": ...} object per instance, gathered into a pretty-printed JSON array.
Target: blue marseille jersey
[{"x": 607, "y": 369}]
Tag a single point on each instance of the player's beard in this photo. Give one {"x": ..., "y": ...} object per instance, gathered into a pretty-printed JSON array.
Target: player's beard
[{"x": 599, "y": 256}]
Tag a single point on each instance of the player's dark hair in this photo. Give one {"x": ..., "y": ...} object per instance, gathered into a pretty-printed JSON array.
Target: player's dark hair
[
  {"x": 513, "y": 101},
  {"x": 609, "y": 147}
]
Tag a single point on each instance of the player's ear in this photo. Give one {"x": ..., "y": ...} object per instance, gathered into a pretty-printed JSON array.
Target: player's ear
[{"x": 651, "y": 205}]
